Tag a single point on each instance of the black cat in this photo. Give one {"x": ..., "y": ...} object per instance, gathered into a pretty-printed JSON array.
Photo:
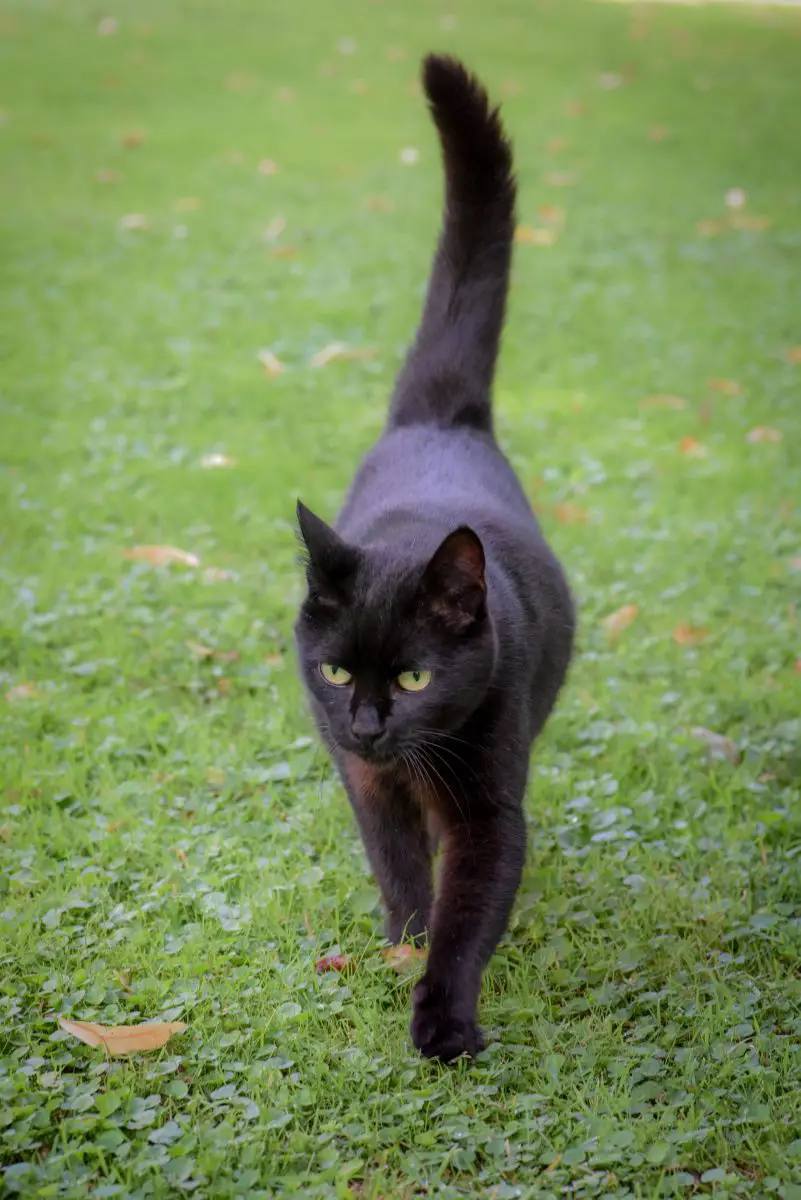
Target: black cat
[{"x": 438, "y": 625}]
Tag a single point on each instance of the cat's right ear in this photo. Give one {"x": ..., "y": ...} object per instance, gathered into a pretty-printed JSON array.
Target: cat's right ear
[{"x": 330, "y": 562}]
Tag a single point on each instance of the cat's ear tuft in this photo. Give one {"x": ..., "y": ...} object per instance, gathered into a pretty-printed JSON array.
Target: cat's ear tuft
[
  {"x": 330, "y": 562},
  {"x": 454, "y": 585}
]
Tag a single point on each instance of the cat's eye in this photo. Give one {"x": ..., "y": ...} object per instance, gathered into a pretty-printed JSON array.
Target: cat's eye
[
  {"x": 336, "y": 676},
  {"x": 413, "y": 681}
]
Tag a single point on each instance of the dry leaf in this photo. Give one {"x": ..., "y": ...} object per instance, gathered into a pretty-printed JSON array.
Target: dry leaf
[
  {"x": 187, "y": 204},
  {"x": 224, "y": 686},
  {"x": 793, "y": 355},
  {"x": 527, "y": 235},
  {"x": 381, "y": 204},
  {"x": 727, "y": 387},
  {"x": 335, "y": 962},
  {"x": 275, "y": 229},
  {"x": 690, "y": 635},
  {"x": 267, "y": 166},
  {"x": 570, "y": 514},
  {"x": 358, "y": 87},
  {"x": 123, "y": 1039},
  {"x": 108, "y": 26},
  {"x": 616, "y": 622},
  {"x": 396, "y": 54},
  {"x": 339, "y": 351},
  {"x": 404, "y": 959},
  {"x": 610, "y": 80},
  {"x": 285, "y": 95},
  {"x": 718, "y": 744},
  {"x": 574, "y": 108},
  {"x": 794, "y": 564},
  {"x": 203, "y": 652},
  {"x": 657, "y": 133},
  {"x": 764, "y": 433},
  {"x": 555, "y": 145},
  {"x": 693, "y": 448},
  {"x": 510, "y": 88},
  {"x": 22, "y": 691},
  {"x": 215, "y": 777},
  {"x": 742, "y": 221},
  {"x": 272, "y": 365},
  {"x": 181, "y": 855},
  {"x": 798, "y": 666},
  {"x": 561, "y": 178},
  {"x": 664, "y": 401},
  {"x": 161, "y": 556},
  {"x": 551, "y": 214},
  {"x": 285, "y": 252},
  {"x": 409, "y": 155},
  {"x": 217, "y": 460},
  {"x": 234, "y": 157},
  {"x": 106, "y": 176},
  {"x": 133, "y": 138},
  {"x": 735, "y": 198},
  {"x": 134, "y": 221},
  {"x": 710, "y": 228},
  {"x": 239, "y": 82}
]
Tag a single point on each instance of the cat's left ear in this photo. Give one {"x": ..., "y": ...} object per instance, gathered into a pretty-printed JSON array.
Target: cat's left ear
[
  {"x": 331, "y": 562},
  {"x": 454, "y": 586}
]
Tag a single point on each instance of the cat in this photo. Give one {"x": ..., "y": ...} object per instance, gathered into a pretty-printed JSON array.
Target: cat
[{"x": 438, "y": 625}]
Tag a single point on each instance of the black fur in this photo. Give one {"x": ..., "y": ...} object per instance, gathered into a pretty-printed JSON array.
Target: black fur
[{"x": 438, "y": 564}]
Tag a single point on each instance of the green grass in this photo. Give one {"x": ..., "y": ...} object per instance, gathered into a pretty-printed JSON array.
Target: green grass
[{"x": 173, "y": 842}]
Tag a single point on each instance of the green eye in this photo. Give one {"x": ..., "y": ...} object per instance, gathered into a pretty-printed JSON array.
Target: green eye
[
  {"x": 336, "y": 676},
  {"x": 413, "y": 681}
]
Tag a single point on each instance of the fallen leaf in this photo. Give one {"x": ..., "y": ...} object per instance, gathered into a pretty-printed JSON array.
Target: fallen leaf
[
  {"x": 570, "y": 514},
  {"x": 108, "y": 26},
  {"x": 22, "y": 691},
  {"x": 510, "y": 88},
  {"x": 657, "y": 133},
  {"x": 710, "y": 228},
  {"x": 561, "y": 178},
  {"x": 793, "y": 355},
  {"x": 133, "y": 221},
  {"x": 238, "y": 81},
  {"x": 181, "y": 855},
  {"x": 794, "y": 564},
  {"x": 339, "y": 351},
  {"x": 610, "y": 80},
  {"x": 764, "y": 433},
  {"x": 203, "y": 652},
  {"x": 285, "y": 252},
  {"x": 404, "y": 959},
  {"x": 234, "y": 157},
  {"x": 693, "y": 448},
  {"x": 551, "y": 214},
  {"x": 677, "y": 403},
  {"x": 617, "y": 621},
  {"x": 161, "y": 556},
  {"x": 285, "y": 95},
  {"x": 381, "y": 204},
  {"x": 133, "y": 138},
  {"x": 187, "y": 204},
  {"x": 742, "y": 221},
  {"x": 217, "y": 460},
  {"x": 727, "y": 387},
  {"x": 335, "y": 962},
  {"x": 224, "y": 686},
  {"x": 798, "y": 665},
  {"x": 555, "y": 145},
  {"x": 275, "y": 229},
  {"x": 690, "y": 635},
  {"x": 718, "y": 744},
  {"x": 527, "y": 235},
  {"x": 118, "y": 1040},
  {"x": 409, "y": 155},
  {"x": 267, "y": 166},
  {"x": 106, "y": 176},
  {"x": 396, "y": 53},
  {"x": 272, "y": 365},
  {"x": 358, "y": 87},
  {"x": 735, "y": 198},
  {"x": 574, "y": 108}
]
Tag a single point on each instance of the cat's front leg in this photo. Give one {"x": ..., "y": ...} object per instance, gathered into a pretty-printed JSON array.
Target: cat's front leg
[
  {"x": 482, "y": 865},
  {"x": 396, "y": 838}
]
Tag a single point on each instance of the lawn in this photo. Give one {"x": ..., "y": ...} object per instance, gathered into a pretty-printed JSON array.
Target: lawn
[{"x": 188, "y": 185}]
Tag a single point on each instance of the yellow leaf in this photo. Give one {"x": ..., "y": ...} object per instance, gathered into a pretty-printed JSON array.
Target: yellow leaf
[
  {"x": 133, "y": 138},
  {"x": 404, "y": 959},
  {"x": 664, "y": 401},
  {"x": 764, "y": 433},
  {"x": 727, "y": 387},
  {"x": 617, "y": 621},
  {"x": 118, "y": 1040},
  {"x": 272, "y": 365},
  {"x": 161, "y": 556},
  {"x": 693, "y": 448},
  {"x": 527, "y": 235},
  {"x": 690, "y": 635},
  {"x": 337, "y": 351}
]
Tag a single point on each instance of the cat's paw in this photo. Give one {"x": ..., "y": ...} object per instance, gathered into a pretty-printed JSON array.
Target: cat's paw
[{"x": 439, "y": 1032}]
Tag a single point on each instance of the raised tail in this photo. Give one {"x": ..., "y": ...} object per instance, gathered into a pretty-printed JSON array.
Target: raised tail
[{"x": 447, "y": 377}]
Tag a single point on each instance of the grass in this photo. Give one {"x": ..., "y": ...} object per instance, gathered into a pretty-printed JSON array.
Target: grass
[{"x": 173, "y": 843}]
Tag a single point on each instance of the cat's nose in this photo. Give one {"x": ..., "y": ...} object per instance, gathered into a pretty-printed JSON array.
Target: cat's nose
[{"x": 367, "y": 726}]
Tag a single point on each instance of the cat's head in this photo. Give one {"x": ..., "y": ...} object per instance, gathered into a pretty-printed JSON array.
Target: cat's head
[{"x": 393, "y": 649}]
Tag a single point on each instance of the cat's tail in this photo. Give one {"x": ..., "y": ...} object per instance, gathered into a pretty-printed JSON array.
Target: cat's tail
[{"x": 447, "y": 376}]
